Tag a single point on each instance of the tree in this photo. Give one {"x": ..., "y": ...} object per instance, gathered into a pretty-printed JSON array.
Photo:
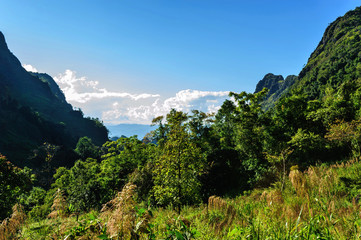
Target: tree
[
  {"x": 90, "y": 183},
  {"x": 13, "y": 182},
  {"x": 249, "y": 134},
  {"x": 179, "y": 165},
  {"x": 120, "y": 159},
  {"x": 199, "y": 125},
  {"x": 81, "y": 185},
  {"x": 86, "y": 149},
  {"x": 225, "y": 124},
  {"x": 346, "y": 133},
  {"x": 160, "y": 134}
]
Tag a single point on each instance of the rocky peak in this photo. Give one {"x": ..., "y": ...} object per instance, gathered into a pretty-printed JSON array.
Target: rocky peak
[{"x": 270, "y": 81}]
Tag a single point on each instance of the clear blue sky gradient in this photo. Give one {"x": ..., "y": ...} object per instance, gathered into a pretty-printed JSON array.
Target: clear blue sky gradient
[{"x": 162, "y": 47}]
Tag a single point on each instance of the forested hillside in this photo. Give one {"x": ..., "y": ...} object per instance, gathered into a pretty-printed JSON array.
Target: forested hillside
[{"x": 278, "y": 165}]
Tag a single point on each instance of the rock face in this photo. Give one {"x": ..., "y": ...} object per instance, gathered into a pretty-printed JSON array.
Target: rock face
[
  {"x": 277, "y": 86},
  {"x": 271, "y": 82},
  {"x": 33, "y": 110}
]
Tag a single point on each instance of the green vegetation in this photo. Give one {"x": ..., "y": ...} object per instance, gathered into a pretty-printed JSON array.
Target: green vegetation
[
  {"x": 177, "y": 169},
  {"x": 262, "y": 167},
  {"x": 321, "y": 203},
  {"x": 14, "y": 182}
]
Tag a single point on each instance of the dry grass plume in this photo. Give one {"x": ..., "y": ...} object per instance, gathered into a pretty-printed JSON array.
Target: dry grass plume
[
  {"x": 298, "y": 181},
  {"x": 10, "y": 226},
  {"x": 120, "y": 214},
  {"x": 58, "y": 209},
  {"x": 228, "y": 210}
]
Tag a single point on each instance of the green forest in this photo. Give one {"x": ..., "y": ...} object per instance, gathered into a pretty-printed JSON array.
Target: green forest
[{"x": 280, "y": 164}]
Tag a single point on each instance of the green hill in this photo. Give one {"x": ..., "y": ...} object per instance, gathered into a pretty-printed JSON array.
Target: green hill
[
  {"x": 336, "y": 60},
  {"x": 333, "y": 67}
]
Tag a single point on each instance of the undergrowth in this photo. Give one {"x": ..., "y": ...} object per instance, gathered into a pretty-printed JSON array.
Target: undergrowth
[{"x": 319, "y": 203}]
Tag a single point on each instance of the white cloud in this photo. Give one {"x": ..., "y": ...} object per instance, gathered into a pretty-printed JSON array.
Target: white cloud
[
  {"x": 188, "y": 99},
  {"x": 121, "y": 107},
  {"x": 81, "y": 90},
  {"x": 30, "y": 68},
  {"x": 185, "y": 100}
]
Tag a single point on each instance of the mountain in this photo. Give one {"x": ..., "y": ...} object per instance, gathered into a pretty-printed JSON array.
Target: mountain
[
  {"x": 277, "y": 86},
  {"x": 33, "y": 110},
  {"x": 333, "y": 68},
  {"x": 270, "y": 81},
  {"x": 129, "y": 130},
  {"x": 337, "y": 59},
  {"x": 52, "y": 85}
]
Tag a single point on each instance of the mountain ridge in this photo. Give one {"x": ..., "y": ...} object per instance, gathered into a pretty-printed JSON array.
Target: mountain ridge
[
  {"x": 33, "y": 110},
  {"x": 335, "y": 63},
  {"x": 336, "y": 59}
]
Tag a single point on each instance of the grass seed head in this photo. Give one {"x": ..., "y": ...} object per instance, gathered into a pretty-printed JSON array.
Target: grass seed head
[
  {"x": 58, "y": 209},
  {"x": 298, "y": 181},
  {"x": 10, "y": 226},
  {"x": 121, "y": 214}
]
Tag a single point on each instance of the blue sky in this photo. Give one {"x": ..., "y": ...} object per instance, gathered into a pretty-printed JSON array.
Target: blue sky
[{"x": 128, "y": 60}]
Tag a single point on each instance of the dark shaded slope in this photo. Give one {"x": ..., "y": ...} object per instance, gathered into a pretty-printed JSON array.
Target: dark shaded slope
[
  {"x": 52, "y": 85},
  {"x": 33, "y": 110}
]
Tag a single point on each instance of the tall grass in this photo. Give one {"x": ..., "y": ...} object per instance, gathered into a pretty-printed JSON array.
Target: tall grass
[
  {"x": 120, "y": 214},
  {"x": 59, "y": 207},
  {"x": 319, "y": 203},
  {"x": 10, "y": 226}
]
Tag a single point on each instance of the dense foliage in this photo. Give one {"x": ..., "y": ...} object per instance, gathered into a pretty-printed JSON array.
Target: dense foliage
[{"x": 13, "y": 182}]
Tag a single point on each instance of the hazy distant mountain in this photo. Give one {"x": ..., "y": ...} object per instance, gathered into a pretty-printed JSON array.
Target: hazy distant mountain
[{"x": 129, "y": 130}]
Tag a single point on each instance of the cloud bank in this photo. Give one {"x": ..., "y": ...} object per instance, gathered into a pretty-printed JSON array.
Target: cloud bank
[
  {"x": 185, "y": 100},
  {"x": 122, "y": 107},
  {"x": 81, "y": 90}
]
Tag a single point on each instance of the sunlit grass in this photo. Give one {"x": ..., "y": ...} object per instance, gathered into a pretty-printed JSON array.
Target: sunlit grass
[{"x": 319, "y": 203}]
